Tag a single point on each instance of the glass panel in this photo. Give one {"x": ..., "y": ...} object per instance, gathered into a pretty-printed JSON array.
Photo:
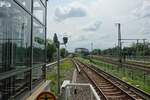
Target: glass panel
[
  {"x": 22, "y": 82},
  {"x": 22, "y": 50},
  {"x": 15, "y": 31},
  {"x": 38, "y": 51},
  {"x": 36, "y": 75},
  {"x": 38, "y": 43},
  {"x": 13, "y": 85},
  {"x": 39, "y": 10},
  {"x": 15, "y": 45},
  {"x": 26, "y": 3},
  {"x": 5, "y": 88}
]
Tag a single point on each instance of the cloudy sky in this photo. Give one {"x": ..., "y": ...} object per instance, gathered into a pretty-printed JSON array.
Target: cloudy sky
[{"x": 86, "y": 21}]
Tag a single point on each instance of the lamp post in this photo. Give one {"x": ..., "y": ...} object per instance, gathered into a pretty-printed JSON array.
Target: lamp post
[{"x": 57, "y": 44}]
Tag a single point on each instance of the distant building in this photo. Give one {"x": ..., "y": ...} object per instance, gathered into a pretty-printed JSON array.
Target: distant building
[
  {"x": 82, "y": 51},
  {"x": 22, "y": 46}
]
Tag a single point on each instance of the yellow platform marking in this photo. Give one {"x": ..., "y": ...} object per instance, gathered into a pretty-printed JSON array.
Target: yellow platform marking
[{"x": 46, "y": 96}]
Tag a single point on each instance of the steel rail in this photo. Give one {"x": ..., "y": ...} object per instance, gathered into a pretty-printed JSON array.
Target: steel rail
[
  {"x": 140, "y": 93},
  {"x": 95, "y": 84},
  {"x": 132, "y": 98},
  {"x": 76, "y": 65},
  {"x": 137, "y": 91},
  {"x": 103, "y": 97},
  {"x": 129, "y": 65}
]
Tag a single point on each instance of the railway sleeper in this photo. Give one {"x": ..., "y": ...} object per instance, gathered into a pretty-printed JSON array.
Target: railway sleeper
[
  {"x": 105, "y": 85},
  {"x": 118, "y": 97},
  {"x": 113, "y": 93},
  {"x": 109, "y": 90},
  {"x": 108, "y": 87},
  {"x": 129, "y": 92}
]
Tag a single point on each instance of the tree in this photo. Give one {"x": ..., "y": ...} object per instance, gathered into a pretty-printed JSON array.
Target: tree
[
  {"x": 140, "y": 49},
  {"x": 63, "y": 52},
  {"x": 96, "y": 52},
  {"x": 51, "y": 50}
]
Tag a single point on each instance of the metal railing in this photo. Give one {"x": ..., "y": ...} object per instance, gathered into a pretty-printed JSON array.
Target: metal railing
[
  {"x": 70, "y": 91},
  {"x": 18, "y": 71}
]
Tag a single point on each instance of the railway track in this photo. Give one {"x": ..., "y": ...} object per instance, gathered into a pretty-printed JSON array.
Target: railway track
[
  {"x": 106, "y": 86},
  {"x": 130, "y": 65},
  {"x": 140, "y": 62}
]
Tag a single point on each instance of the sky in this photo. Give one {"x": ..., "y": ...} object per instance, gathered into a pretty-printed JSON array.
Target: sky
[{"x": 93, "y": 21}]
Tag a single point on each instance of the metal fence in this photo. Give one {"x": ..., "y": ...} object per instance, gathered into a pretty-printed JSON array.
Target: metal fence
[{"x": 78, "y": 91}]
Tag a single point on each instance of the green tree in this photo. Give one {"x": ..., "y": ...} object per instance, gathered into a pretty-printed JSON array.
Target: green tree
[
  {"x": 96, "y": 52},
  {"x": 63, "y": 52},
  {"x": 51, "y": 50}
]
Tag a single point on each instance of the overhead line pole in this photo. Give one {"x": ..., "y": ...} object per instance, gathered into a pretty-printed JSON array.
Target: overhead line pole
[
  {"x": 119, "y": 44},
  {"x": 137, "y": 49},
  {"x": 91, "y": 49},
  {"x": 144, "y": 47}
]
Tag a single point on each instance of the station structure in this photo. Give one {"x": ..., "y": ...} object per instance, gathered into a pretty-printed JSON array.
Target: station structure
[{"x": 22, "y": 47}]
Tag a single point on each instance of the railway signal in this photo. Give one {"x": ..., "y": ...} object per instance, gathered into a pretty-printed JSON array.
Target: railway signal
[
  {"x": 57, "y": 44},
  {"x": 65, "y": 40}
]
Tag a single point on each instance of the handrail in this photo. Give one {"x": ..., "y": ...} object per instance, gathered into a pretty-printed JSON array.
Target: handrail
[
  {"x": 83, "y": 84},
  {"x": 53, "y": 63},
  {"x": 14, "y": 72}
]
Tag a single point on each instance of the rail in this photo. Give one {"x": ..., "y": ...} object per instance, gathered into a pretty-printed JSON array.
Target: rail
[
  {"x": 99, "y": 74},
  {"x": 77, "y": 66},
  {"x": 51, "y": 64},
  {"x": 141, "y": 93},
  {"x": 129, "y": 65}
]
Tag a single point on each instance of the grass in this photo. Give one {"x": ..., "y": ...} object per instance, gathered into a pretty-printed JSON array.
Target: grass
[
  {"x": 53, "y": 85},
  {"x": 133, "y": 77},
  {"x": 65, "y": 67}
]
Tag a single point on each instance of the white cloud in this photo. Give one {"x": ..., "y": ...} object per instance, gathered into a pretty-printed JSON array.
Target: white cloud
[
  {"x": 94, "y": 27},
  {"x": 73, "y": 10},
  {"x": 143, "y": 10},
  {"x": 145, "y": 29},
  {"x": 82, "y": 18}
]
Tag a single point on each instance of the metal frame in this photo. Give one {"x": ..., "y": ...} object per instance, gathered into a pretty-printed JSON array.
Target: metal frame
[
  {"x": 31, "y": 48},
  {"x": 45, "y": 5},
  {"x": 16, "y": 72},
  {"x": 93, "y": 91},
  {"x": 31, "y": 13},
  {"x": 120, "y": 43},
  {"x": 44, "y": 67}
]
